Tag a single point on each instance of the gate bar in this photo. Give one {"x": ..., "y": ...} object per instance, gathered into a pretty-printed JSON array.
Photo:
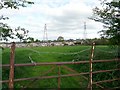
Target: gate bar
[
  {"x": 59, "y": 63},
  {"x": 47, "y": 77},
  {"x": 103, "y": 81}
]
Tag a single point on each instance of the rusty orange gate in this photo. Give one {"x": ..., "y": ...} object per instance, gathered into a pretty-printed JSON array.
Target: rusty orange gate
[{"x": 59, "y": 76}]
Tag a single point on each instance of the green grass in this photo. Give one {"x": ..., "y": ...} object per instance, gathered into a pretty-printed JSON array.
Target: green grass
[{"x": 59, "y": 54}]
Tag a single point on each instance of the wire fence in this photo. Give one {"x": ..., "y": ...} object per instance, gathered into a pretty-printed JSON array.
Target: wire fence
[
  {"x": 105, "y": 51},
  {"x": 58, "y": 52},
  {"x": 12, "y": 65}
]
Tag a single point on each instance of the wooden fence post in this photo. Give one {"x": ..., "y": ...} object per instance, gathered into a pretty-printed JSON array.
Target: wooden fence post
[
  {"x": 91, "y": 59},
  {"x": 11, "y": 73},
  {"x": 59, "y": 79}
]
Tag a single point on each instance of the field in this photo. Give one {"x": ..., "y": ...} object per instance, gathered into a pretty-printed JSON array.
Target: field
[{"x": 61, "y": 54}]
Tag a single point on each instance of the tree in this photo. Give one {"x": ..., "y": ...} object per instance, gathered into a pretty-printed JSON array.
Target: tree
[
  {"x": 21, "y": 33},
  {"x": 14, "y": 3},
  {"x": 5, "y": 31},
  {"x": 109, "y": 15},
  {"x": 37, "y": 40},
  {"x": 30, "y": 39},
  {"x": 60, "y": 38}
]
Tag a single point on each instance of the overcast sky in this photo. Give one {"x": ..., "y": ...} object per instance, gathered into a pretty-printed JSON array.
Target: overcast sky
[{"x": 63, "y": 18}]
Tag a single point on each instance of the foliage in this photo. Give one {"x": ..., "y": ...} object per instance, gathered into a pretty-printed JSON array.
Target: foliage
[
  {"x": 21, "y": 33},
  {"x": 30, "y": 39},
  {"x": 5, "y": 31},
  {"x": 109, "y": 15},
  {"x": 14, "y": 4},
  {"x": 60, "y": 38}
]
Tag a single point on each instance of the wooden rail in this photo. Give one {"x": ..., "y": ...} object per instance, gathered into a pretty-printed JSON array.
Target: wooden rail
[
  {"x": 70, "y": 75},
  {"x": 59, "y": 63}
]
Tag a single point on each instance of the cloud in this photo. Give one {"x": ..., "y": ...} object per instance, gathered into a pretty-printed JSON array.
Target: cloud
[{"x": 63, "y": 18}]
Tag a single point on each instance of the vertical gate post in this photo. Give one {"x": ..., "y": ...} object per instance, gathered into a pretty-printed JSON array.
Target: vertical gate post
[
  {"x": 91, "y": 59},
  {"x": 11, "y": 73},
  {"x": 59, "y": 79}
]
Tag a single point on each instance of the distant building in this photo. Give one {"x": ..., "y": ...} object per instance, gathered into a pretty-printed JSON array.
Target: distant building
[{"x": 37, "y": 44}]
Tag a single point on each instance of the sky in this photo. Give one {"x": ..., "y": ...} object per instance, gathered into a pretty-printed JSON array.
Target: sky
[{"x": 62, "y": 17}]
